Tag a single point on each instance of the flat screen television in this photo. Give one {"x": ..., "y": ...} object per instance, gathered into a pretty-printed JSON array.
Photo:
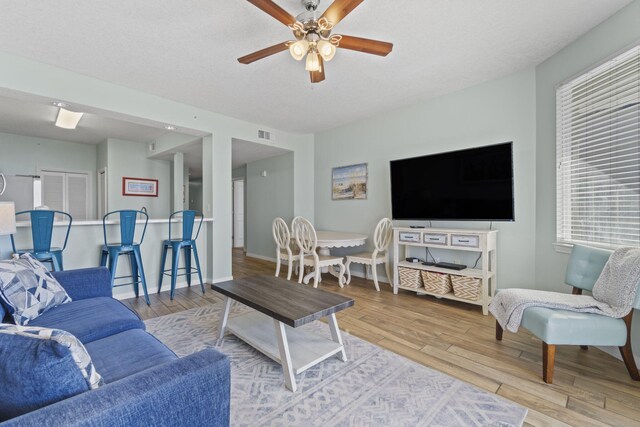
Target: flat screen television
[{"x": 467, "y": 185}]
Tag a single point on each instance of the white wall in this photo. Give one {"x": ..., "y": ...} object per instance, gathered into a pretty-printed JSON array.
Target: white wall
[
  {"x": 267, "y": 198},
  {"x": 129, "y": 159},
  {"x": 498, "y": 111},
  {"x": 195, "y": 195}
]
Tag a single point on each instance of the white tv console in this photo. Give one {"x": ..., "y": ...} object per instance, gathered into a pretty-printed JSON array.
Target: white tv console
[{"x": 479, "y": 241}]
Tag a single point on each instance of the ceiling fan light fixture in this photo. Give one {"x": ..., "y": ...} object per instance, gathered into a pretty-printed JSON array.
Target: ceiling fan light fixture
[
  {"x": 313, "y": 61},
  {"x": 327, "y": 50},
  {"x": 312, "y": 35},
  {"x": 299, "y": 49}
]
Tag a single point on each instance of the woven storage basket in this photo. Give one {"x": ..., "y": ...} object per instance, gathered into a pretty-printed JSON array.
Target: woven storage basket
[
  {"x": 410, "y": 277},
  {"x": 436, "y": 283},
  {"x": 466, "y": 287}
]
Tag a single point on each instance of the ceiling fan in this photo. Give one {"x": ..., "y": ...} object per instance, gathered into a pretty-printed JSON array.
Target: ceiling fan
[{"x": 313, "y": 37}]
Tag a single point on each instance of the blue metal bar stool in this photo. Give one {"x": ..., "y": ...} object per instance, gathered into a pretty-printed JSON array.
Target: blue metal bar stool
[
  {"x": 42, "y": 233},
  {"x": 127, "y": 246},
  {"x": 188, "y": 244}
]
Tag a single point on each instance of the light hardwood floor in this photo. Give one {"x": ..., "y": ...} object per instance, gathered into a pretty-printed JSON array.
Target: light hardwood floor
[{"x": 590, "y": 387}]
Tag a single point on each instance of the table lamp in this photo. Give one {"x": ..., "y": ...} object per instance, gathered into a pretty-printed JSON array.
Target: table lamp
[{"x": 7, "y": 218}]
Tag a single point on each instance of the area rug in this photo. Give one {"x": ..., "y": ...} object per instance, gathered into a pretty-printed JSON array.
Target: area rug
[{"x": 374, "y": 388}]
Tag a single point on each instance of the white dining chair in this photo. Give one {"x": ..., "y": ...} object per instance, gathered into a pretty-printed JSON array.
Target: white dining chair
[
  {"x": 294, "y": 246},
  {"x": 282, "y": 236},
  {"x": 294, "y": 221},
  {"x": 307, "y": 240},
  {"x": 382, "y": 239}
]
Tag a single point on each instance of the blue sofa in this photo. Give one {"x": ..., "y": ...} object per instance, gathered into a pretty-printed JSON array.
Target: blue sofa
[{"x": 146, "y": 383}]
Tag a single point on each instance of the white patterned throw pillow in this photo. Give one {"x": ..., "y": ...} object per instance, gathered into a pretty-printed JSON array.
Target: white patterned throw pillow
[
  {"x": 28, "y": 289},
  {"x": 65, "y": 339}
]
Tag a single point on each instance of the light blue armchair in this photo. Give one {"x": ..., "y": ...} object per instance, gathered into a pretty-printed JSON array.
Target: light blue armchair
[{"x": 561, "y": 327}]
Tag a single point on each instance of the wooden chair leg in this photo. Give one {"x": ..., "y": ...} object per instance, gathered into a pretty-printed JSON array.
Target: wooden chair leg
[
  {"x": 499, "y": 331},
  {"x": 627, "y": 352},
  {"x": 548, "y": 362}
]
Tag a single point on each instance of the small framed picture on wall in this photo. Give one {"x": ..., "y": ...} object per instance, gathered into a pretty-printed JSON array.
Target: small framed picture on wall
[
  {"x": 349, "y": 182},
  {"x": 140, "y": 187}
]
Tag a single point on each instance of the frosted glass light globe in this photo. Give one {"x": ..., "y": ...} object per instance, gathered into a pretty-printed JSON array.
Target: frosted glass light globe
[
  {"x": 327, "y": 50},
  {"x": 299, "y": 49}
]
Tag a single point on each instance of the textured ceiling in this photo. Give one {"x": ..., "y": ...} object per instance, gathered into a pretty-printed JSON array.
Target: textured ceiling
[{"x": 186, "y": 50}]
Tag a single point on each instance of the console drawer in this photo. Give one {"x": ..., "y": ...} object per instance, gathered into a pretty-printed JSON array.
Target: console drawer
[
  {"x": 465, "y": 240},
  {"x": 434, "y": 239},
  {"x": 409, "y": 237}
]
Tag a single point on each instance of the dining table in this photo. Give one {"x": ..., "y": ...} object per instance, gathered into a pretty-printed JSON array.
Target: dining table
[{"x": 328, "y": 240}]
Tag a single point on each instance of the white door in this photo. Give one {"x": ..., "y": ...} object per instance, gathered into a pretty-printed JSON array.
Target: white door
[
  {"x": 66, "y": 192},
  {"x": 102, "y": 193},
  {"x": 77, "y": 196},
  {"x": 238, "y": 213},
  {"x": 53, "y": 190}
]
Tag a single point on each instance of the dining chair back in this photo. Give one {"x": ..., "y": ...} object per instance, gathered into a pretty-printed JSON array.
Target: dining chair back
[
  {"x": 42, "y": 234},
  {"x": 307, "y": 240},
  {"x": 127, "y": 246},
  {"x": 306, "y": 237},
  {"x": 186, "y": 244},
  {"x": 281, "y": 234},
  {"x": 382, "y": 236},
  {"x": 282, "y": 237},
  {"x": 294, "y": 222}
]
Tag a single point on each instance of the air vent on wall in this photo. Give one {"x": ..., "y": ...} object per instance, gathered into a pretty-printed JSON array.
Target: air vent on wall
[{"x": 263, "y": 134}]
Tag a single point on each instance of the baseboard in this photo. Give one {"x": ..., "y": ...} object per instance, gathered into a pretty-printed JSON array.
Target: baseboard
[
  {"x": 219, "y": 280},
  {"x": 262, "y": 257},
  {"x": 129, "y": 293},
  {"x": 167, "y": 286},
  {"x": 615, "y": 352},
  {"x": 381, "y": 278}
]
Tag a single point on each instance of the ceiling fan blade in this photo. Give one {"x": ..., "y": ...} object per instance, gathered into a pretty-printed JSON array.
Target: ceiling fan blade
[
  {"x": 374, "y": 47},
  {"x": 339, "y": 9},
  {"x": 318, "y": 76},
  {"x": 274, "y": 10},
  {"x": 272, "y": 50}
]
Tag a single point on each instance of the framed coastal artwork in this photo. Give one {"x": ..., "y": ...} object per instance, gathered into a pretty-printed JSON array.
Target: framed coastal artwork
[
  {"x": 349, "y": 182},
  {"x": 140, "y": 187}
]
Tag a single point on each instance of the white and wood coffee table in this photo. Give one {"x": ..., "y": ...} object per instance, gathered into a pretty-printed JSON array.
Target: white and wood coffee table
[{"x": 281, "y": 307}]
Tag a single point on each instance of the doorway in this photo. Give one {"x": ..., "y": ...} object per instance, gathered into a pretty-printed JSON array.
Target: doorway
[
  {"x": 238, "y": 213},
  {"x": 102, "y": 193}
]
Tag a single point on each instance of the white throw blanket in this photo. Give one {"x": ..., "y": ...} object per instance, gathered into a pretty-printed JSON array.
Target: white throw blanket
[{"x": 613, "y": 293}]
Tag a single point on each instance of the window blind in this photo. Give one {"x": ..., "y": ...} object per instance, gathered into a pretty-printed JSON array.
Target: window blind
[{"x": 598, "y": 154}]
